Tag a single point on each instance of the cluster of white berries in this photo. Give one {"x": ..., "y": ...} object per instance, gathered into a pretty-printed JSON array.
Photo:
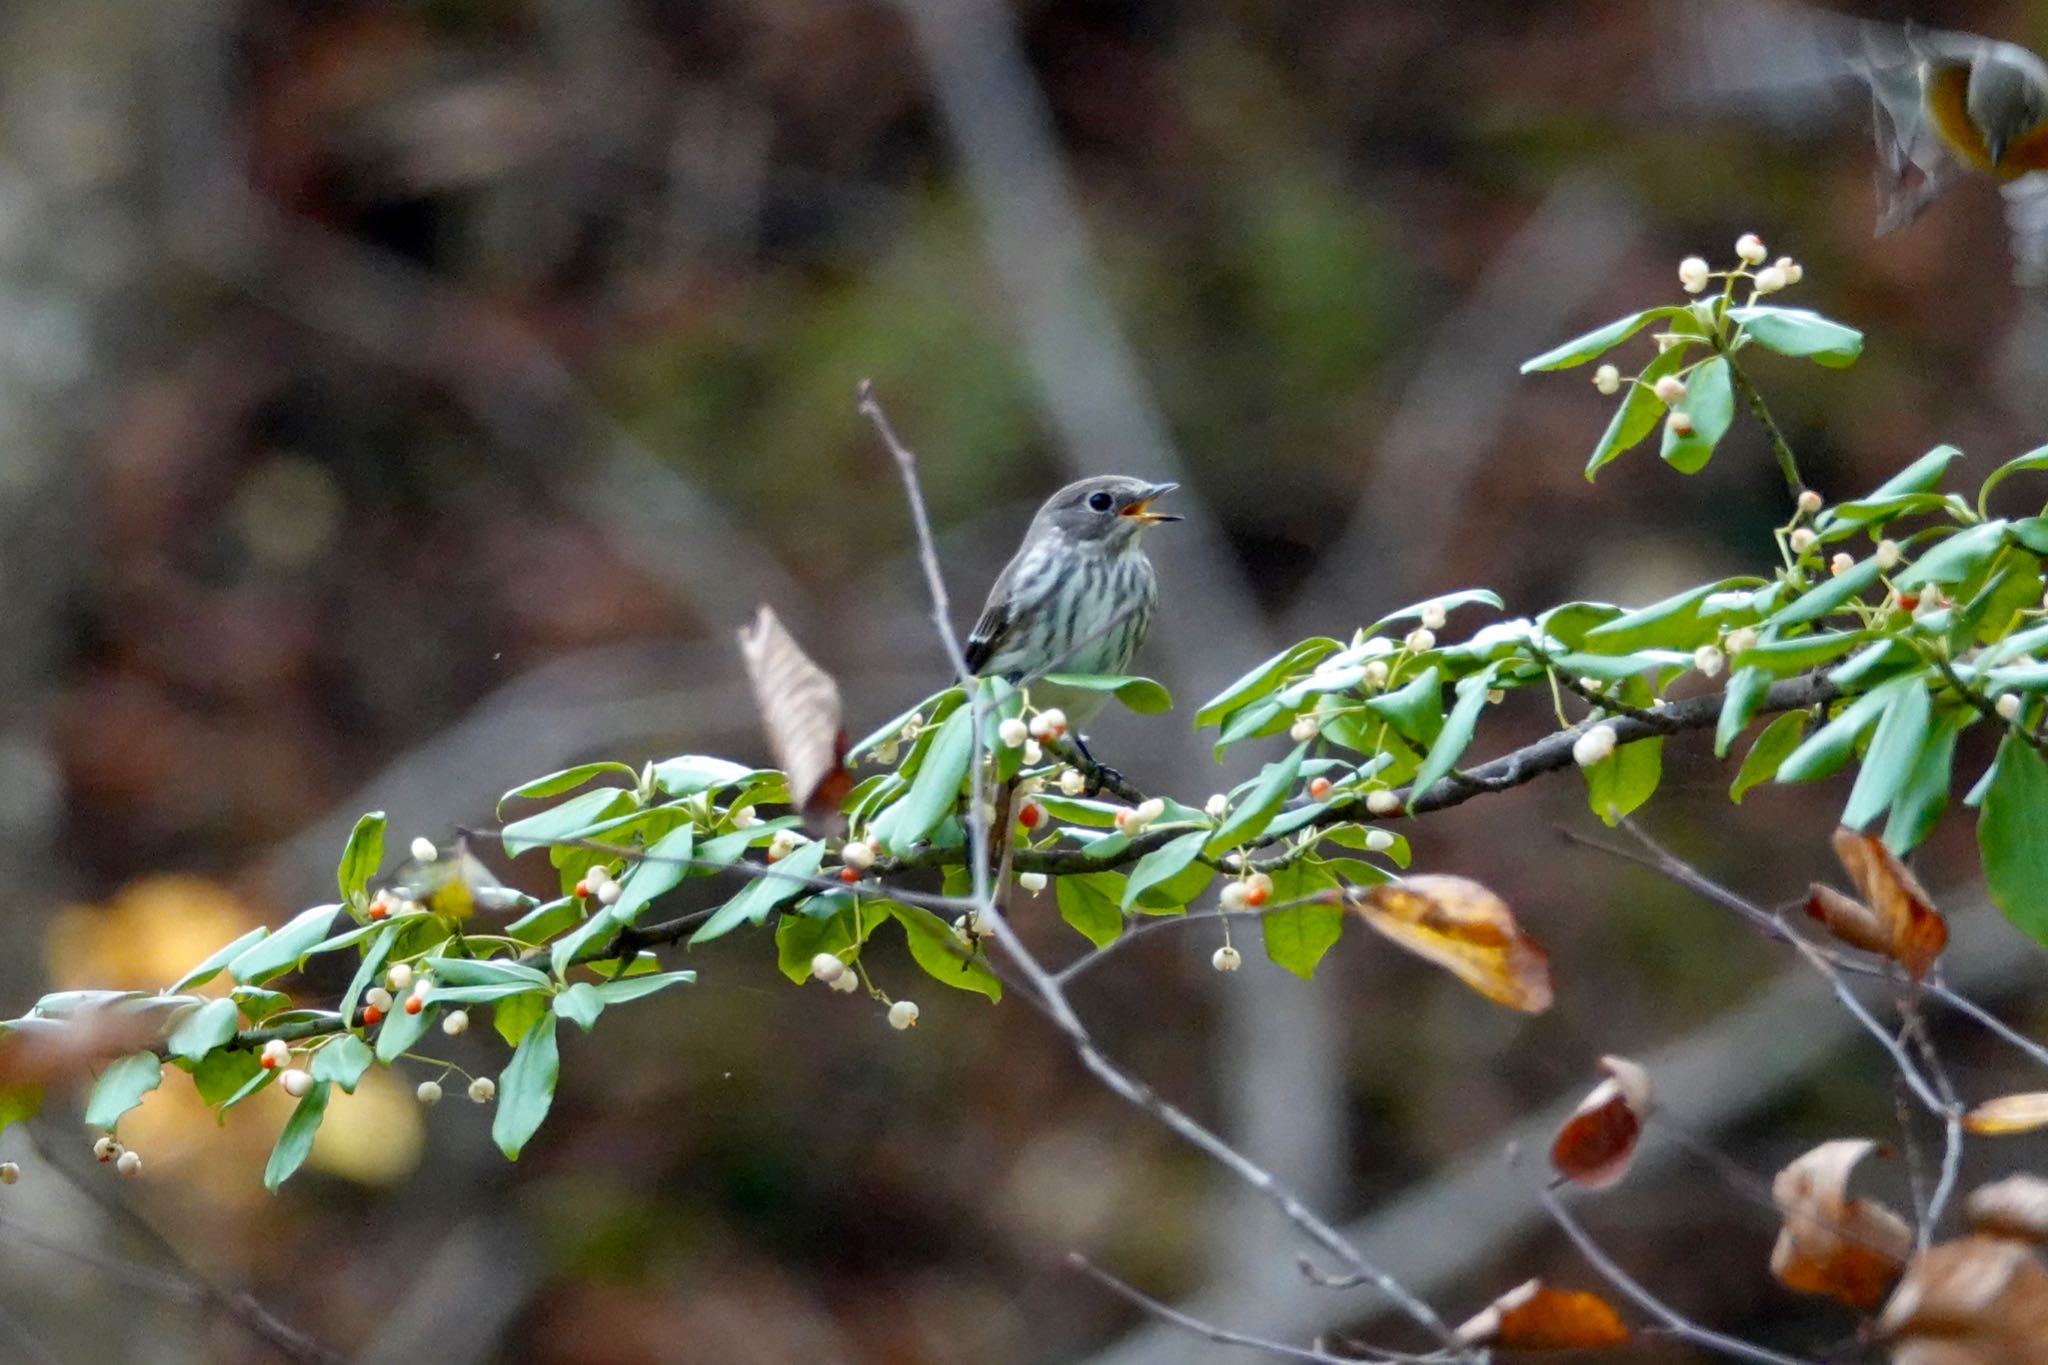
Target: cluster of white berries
[
  {"x": 782, "y": 843},
  {"x": 1593, "y": 746},
  {"x": 1132, "y": 820},
  {"x": 387, "y": 903},
  {"x": 109, "y": 1152},
  {"x": 831, "y": 970},
  {"x": 1050, "y": 723},
  {"x": 1247, "y": 893},
  {"x": 598, "y": 884},
  {"x": 1013, "y": 733},
  {"x": 1736, "y": 641}
]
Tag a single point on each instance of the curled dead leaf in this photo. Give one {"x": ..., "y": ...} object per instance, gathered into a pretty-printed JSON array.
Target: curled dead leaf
[
  {"x": 1847, "y": 1249},
  {"x": 1594, "y": 1146},
  {"x": 1465, "y": 929},
  {"x": 2009, "y": 1114},
  {"x": 2015, "y": 1208},
  {"x": 1535, "y": 1317},
  {"x": 801, "y": 711},
  {"x": 1973, "y": 1301},
  {"x": 1895, "y": 918}
]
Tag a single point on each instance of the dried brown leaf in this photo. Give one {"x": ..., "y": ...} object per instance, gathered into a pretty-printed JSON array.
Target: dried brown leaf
[
  {"x": 1595, "y": 1144},
  {"x": 1465, "y": 929},
  {"x": 1535, "y": 1317},
  {"x": 801, "y": 711},
  {"x": 1849, "y": 919},
  {"x": 1847, "y": 1249},
  {"x": 1903, "y": 919},
  {"x": 2009, "y": 1114},
  {"x": 2015, "y": 1207},
  {"x": 1973, "y": 1301}
]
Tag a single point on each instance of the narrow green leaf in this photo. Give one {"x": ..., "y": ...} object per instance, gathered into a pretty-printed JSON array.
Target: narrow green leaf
[
  {"x": 633, "y": 987},
  {"x": 203, "y": 1030},
  {"x": 778, "y": 884},
  {"x": 1923, "y": 796},
  {"x": 217, "y": 959},
  {"x": 1163, "y": 864},
  {"x": 1638, "y": 414},
  {"x": 568, "y": 779},
  {"x": 343, "y": 1061},
  {"x": 1828, "y": 595},
  {"x": 1710, "y": 402},
  {"x": 121, "y": 1087},
  {"x": 665, "y": 863},
  {"x": 1141, "y": 695},
  {"x": 1090, "y": 903},
  {"x": 1783, "y": 658},
  {"x": 580, "y": 1004},
  {"x": 481, "y": 971},
  {"x": 564, "y": 821},
  {"x": 1760, "y": 765},
  {"x": 1894, "y": 748},
  {"x": 1956, "y": 558},
  {"x": 478, "y": 995},
  {"x": 256, "y": 1081},
  {"x": 1248, "y": 818},
  {"x": 693, "y": 773},
  {"x": 1674, "y": 623},
  {"x": 19, "y": 1103},
  {"x": 399, "y": 1031},
  {"x": 936, "y": 787},
  {"x": 2009, "y": 836},
  {"x": 280, "y": 952},
  {"x": 366, "y": 972},
  {"x": 1456, "y": 735},
  {"x": 2033, "y": 459},
  {"x": 526, "y": 1089},
  {"x": 1600, "y": 340},
  {"x": 942, "y": 956},
  {"x": 297, "y": 1138},
  {"x": 362, "y": 856},
  {"x": 1829, "y": 747},
  {"x": 1799, "y": 332}
]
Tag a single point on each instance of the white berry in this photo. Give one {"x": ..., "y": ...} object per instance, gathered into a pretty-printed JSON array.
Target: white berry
[
  {"x": 9, "y": 1173},
  {"x": 1304, "y": 730},
  {"x": 1231, "y": 897},
  {"x": 398, "y": 977},
  {"x": 903, "y": 1014},
  {"x": 483, "y": 1090},
  {"x": 129, "y": 1164},
  {"x": 1593, "y": 746},
  {"x": 106, "y": 1149},
  {"x": 1434, "y": 616},
  {"x": 1669, "y": 390},
  {"x": 743, "y": 817},
  {"x": 1751, "y": 249},
  {"x": 1226, "y": 959},
  {"x": 827, "y": 967},
  {"x": 423, "y": 850},
  {"x": 1033, "y": 752},
  {"x": 1376, "y": 673},
  {"x": 1382, "y": 802},
  {"x": 1708, "y": 659},
  {"x": 429, "y": 1092},
  {"x": 1073, "y": 782},
  {"x": 1034, "y": 882},
  {"x": 1802, "y": 540},
  {"x": 1841, "y": 563},
  {"x": 1888, "y": 555},
  {"x": 1740, "y": 639},
  {"x": 2008, "y": 705},
  {"x": 1013, "y": 732},
  {"x": 454, "y": 1022},
  {"x": 1217, "y": 806},
  {"x": 1607, "y": 379},
  {"x": 1680, "y": 424},
  {"x": 1378, "y": 841},
  {"x": 296, "y": 1082},
  {"x": 848, "y": 983},
  {"x": 1809, "y": 501},
  {"x": 1692, "y": 274},
  {"x": 377, "y": 998},
  {"x": 1150, "y": 809},
  {"x": 1422, "y": 639},
  {"x": 1771, "y": 279}
]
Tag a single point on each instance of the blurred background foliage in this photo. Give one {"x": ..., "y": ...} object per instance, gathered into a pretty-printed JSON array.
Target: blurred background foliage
[{"x": 399, "y": 400}]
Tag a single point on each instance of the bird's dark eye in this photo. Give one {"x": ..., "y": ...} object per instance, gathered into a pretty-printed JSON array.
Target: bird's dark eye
[{"x": 1101, "y": 502}]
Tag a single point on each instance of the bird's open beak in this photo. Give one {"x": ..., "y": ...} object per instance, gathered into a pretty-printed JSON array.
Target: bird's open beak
[{"x": 1141, "y": 510}]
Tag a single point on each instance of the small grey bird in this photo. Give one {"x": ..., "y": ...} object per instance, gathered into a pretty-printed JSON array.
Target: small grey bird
[{"x": 1076, "y": 597}]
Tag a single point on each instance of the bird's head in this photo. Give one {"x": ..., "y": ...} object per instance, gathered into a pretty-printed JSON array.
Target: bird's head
[
  {"x": 1108, "y": 511},
  {"x": 2006, "y": 99}
]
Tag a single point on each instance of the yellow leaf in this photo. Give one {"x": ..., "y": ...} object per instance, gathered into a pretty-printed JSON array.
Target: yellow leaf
[{"x": 1465, "y": 929}]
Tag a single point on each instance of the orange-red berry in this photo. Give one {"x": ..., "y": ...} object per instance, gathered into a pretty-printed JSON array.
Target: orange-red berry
[
  {"x": 1029, "y": 814},
  {"x": 378, "y": 910},
  {"x": 371, "y": 1016},
  {"x": 847, "y": 874},
  {"x": 1908, "y": 601},
  {"x": 413, "y": 1004},
  {"x": 1255, "y": 895},
  {"x": 270, "y": 1063},
  {"x": 582, "y": 891},
  {"x": 1319, "y": 788}
]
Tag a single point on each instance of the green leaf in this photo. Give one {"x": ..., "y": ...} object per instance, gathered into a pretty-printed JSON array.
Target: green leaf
[
  {"x": 1265, "y": 716},
  {"x": 936, "y": 787},
  {"x": 1416, "y": 708},
  {"x": 1923, "y": 795},
  {"x": 633, "y": 987},
  {"x": 203, "y": 1030},
  {"x": 281, "y": 951},
  {"x": 2009, "y": 836},
  {"x": 1265, "y": 678},
  {"x": 1782, "y": 658},
  {"x": 1626, "y": 778},
  {"x": 1894, "y": 748},
  {"x": 258, "y": 1004},
  {"x": 1829, "y": 747},
  {"x": 1163, "y": 863},
  {"x": 944, "y": 958},
  {"x": 1956, "y": 558},
  {"x": 1710, "y": 402},
  {"x": 568, "y": 779},
  {"x": 1249, "y": 817},
  {"x": 1447, "y": 602},
  {"x": 297, "y": 1138},
  {"x": 1456, "y": 735},
  {"x": 256, "y": 1081},
  {"x": 1828, "y": 595},
  {"x": 482, "y": 971},
  {"x": 1916, "y": 477},
  {"x": 224, "y": 1071},
  {"x": 1297, "y": 938},
  {"x": 830, "y": 929},
  {"x": 1090, "y": 903},
  {"x": 1799, "y": 332},
  {"x": 565, "y": 821},
  {"x": 478, "y": 995},
  {"x": 121, "y": 1087},
  {"x": 692, "y": 773},
  {"x": 1597, "y": 342},
  {"x": 343, "y": 1061},
  {"x": 217, "y": 959},
  {"x": 1674, "y": 623},
  {"x": 665, "y": 863},
  {"x": 515, "y": 1014},
  {"x": 362, "y": 856},
  {"x": 366, "y": 972},
  {"x": 888, "y": 731},
  {"x": 1779, "y": 738},
  {"x": 784, "y": 881},
  {"x": 2033, "y": 459},
  {"x": 399, "y": 1031},
  {"x": 546, "y": 920},
  {"x": 1141, "y": 695},
  {"x": 1639, "y": 413},
  {"x": 580, "y": 1004},
  {"x": 526, "y": 1088}
]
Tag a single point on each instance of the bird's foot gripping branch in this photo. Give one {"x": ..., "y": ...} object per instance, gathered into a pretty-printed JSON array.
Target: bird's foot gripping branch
[{"x": 1874, "y": 632}]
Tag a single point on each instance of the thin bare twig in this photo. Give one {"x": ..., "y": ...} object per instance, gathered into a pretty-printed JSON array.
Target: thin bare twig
[
  {"x": 1675, "y": 1322},
  {"x": 1095, "y": 957},
  {"x": 1209, "y": 1331}
]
